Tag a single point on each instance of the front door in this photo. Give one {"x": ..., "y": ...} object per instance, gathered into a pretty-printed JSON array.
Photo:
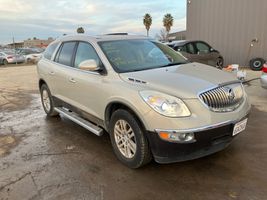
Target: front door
[{"x": 87, "y": 87}]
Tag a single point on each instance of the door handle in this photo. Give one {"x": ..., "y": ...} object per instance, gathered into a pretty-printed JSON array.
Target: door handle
[
  {"x": 72, "y": 80},
  {"x": 52, "y": 73}
]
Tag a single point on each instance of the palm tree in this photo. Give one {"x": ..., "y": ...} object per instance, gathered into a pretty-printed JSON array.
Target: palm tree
[
  {"x": 80, "y": 30},
  {"x": 168, "y": 22},
  {"x": 147, "y": 21}
]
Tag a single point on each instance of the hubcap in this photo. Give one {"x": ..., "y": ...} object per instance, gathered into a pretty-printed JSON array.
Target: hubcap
[
  {"x": 46, "y": 100},
  {"x": 257, "y": 64},
  {"x": 125, "y": 138}
]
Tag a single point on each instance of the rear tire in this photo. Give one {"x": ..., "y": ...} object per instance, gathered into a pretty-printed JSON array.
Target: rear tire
[
  {"x": 5, "y": 62},
  {"x": 256, "y": 64},
  {"x": 128, "y": 139},
  {"x": 47, "y": 101}
]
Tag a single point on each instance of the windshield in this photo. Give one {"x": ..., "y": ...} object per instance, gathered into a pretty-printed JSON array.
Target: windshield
[{"x": 137, "y": 55}]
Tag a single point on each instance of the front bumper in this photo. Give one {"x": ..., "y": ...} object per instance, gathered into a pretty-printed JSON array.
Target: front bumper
[{"x": 208, "y": 141}]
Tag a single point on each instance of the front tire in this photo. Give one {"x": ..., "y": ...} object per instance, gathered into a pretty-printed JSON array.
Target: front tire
[
  {"x": 47, "y": 101},
  {"x": 128, "y": 139}
]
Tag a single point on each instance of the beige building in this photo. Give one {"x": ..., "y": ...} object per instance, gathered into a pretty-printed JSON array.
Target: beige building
[
  {"x": 37, "y": 42},
  {"x": 237, "y": 28},
  {"x": 177, "y": 36}
]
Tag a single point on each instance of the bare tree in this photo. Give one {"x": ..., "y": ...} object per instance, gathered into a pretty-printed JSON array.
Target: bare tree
[{"x": 162, "y": 35}]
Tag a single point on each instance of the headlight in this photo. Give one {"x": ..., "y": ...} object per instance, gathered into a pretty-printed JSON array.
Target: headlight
[{"x": 164, "y": 104}]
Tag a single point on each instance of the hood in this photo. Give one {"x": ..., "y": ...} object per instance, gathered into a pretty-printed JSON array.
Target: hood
[{"x": 184, "y": 81}]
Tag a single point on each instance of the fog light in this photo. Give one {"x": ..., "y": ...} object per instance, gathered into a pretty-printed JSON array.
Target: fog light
[{"x": 177, "y": 137}]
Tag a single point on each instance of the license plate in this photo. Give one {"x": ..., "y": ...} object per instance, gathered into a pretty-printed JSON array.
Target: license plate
[{"x": 240, "y": 126}]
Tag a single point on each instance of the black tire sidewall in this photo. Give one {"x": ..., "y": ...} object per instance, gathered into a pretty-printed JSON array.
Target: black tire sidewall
[
  {"x": 51, "y": 111},
  {"x": 5, "y": 62},
  {"x": 141, "y": 142},
  {"x": 222, "y": 61},
  {"x": 262, "y": 61}
]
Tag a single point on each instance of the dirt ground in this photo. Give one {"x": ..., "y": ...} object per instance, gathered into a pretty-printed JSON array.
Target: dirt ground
[{"x": 43, "y": 158}]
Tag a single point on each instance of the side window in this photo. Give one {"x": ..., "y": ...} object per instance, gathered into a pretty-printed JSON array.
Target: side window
[
  {"x": 64, "y": 57},
  {"x": 50, "y": 50},
  {"x": 180, "y": 48},
  {"x": 190, "y": 48},
  {"x": 85, "y": 52},
  {"x": 202, "y": 47}
]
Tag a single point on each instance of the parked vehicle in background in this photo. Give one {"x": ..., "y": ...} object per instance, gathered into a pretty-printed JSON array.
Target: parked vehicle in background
[
  {"x": 264, "y": 76},
  {"x": 256, "y": 64},
  {"x": 1, "y": 59},
  {"x": 151, "y": 101},
  {"x": 11, "y": 57},
  {"x": 198, "y": 51},
  {"x": 31, "y": 55}
]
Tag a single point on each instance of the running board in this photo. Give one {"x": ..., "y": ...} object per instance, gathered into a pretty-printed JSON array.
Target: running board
[{"x": 82, "y": 122}]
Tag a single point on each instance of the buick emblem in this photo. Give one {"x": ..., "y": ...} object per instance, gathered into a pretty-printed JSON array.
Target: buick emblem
[{"x": 230, "y": 94}]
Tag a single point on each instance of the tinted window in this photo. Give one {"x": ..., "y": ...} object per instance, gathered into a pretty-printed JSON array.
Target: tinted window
[
  {"x": 85, "y": 52},
  {"x": 202, "y": 47},
  {"x": 50, "y": 50},
  {"x": 190, "y": 48},
  {"x": 66, "y": 52},
  {"x": 180, "y": 48}
]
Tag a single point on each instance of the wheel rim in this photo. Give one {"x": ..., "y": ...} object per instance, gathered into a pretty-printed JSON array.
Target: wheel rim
[
  {"x": 125, "y": 138},
  {"x": 257, "y": 64},
  {"x": 219, "y": 62},
  {"x": 46, "y": 100}
]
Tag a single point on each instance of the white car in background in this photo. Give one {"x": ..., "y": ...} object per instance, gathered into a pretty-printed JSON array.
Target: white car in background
[
  {"x": 11, "y": 57},
  {"x": 264, "y": 76},
  {"x": 33, "y": 58},
  {"x": 31, "y": 55}
]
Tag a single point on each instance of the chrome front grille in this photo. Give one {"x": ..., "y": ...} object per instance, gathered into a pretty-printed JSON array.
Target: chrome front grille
[{"x": 224, "y": 98}]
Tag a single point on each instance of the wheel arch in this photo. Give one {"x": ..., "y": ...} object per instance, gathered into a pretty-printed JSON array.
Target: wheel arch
[
  {"x": 115, "y": 105},
  {"x": 41, "y": 82}
]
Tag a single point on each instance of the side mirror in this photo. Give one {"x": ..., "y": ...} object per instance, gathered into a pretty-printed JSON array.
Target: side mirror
[
  {"x": 213, "y": 50},
  {"x": 89, "y": 65}
]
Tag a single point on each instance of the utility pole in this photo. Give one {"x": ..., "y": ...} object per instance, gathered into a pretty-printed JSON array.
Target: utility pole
[{"x": 15, "y": 49}]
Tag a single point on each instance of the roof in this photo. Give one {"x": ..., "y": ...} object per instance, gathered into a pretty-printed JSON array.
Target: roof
[
  {"x": 182, "y": 42},
  {"x": 98, "y": 38}
]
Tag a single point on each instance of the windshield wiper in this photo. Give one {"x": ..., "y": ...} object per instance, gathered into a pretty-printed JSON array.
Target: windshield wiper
[{"x": 172, "y": 64}]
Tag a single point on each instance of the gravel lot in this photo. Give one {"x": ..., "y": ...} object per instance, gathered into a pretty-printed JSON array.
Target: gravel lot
[{"x": 43, "y": 158}]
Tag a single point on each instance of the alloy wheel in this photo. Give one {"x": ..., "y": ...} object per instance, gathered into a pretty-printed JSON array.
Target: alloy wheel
[
  {"x": 125, "y": 139},
  {"x": 46, "y": 100}
]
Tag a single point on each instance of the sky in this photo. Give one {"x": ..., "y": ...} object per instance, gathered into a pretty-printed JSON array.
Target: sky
[{"x": 23, "y": 19}]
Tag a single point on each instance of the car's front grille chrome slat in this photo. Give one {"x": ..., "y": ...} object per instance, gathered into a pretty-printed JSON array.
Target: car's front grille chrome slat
[{"x": 224, "y": 98}]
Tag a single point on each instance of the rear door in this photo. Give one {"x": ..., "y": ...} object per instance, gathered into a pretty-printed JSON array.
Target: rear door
[{"x": 62, "y": 69}]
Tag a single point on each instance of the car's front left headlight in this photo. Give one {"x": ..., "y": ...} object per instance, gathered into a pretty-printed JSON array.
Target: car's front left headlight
[{"x": 165, "y": 104}]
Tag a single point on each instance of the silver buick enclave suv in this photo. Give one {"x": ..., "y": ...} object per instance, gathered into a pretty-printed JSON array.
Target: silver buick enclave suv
[{"x": 149, "y": 98}]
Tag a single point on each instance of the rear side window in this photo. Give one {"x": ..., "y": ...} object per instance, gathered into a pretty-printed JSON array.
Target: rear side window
[
  {"x": 190, "y": 48},
  {"x": 202, "y": 47},
  {"x": 50, "y": 50},
  {"x": 65, "y": 54},
  {"x": 85, "y": 52}
]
